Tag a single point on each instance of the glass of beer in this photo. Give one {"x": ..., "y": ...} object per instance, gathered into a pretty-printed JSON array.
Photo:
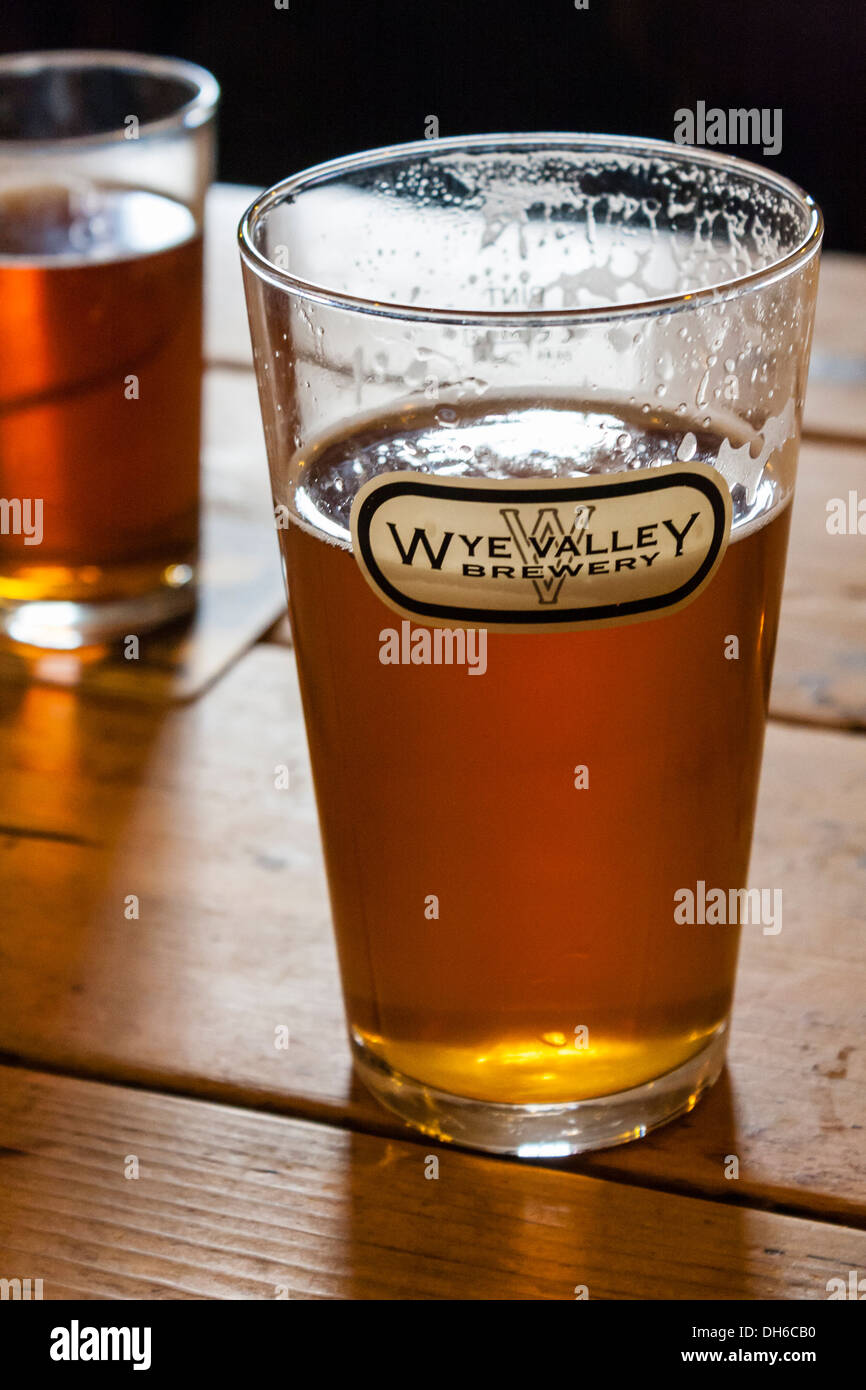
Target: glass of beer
[
  {"x": 105, "y": 159},
  {"x": 532, "y": 407}
]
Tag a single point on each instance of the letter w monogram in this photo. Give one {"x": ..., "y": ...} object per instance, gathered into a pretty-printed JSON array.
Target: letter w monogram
[{"x": 536, "y": 544}]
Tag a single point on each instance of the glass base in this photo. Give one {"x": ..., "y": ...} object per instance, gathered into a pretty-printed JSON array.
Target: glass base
[
  {"x": 544, "y": 1131},
  {"x": 64, "y": 625}
]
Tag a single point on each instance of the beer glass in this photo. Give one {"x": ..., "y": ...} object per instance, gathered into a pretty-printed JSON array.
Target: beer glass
[
  {"x": 532, "y": 406},
  {"x": 105, "y": 159}
]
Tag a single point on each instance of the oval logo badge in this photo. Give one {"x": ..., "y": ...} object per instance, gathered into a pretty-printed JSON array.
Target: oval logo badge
[{"x": 539, "y": 554}]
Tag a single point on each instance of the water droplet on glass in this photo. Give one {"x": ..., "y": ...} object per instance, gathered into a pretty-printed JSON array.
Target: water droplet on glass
[{"x": 688, "y": 447}]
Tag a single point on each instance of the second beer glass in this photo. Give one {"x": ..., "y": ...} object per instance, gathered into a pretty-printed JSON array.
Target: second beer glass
[{"x": 105, "y": 159}]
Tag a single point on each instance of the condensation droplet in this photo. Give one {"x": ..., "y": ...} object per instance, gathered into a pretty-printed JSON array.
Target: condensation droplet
[{"x": 688, "y": 447}]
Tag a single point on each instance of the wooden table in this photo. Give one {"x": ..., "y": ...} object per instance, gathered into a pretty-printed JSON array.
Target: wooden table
[{"x": 154, "y": 1143}]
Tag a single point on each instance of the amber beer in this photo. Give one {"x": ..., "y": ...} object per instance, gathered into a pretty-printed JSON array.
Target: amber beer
[
  {"x": 505, "y": 921},
  {"x": 100, "y": 377}
]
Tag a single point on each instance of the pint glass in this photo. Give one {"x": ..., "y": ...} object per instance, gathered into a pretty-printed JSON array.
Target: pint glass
[
  {"x": 105, "y": 159},
  {"x": 532, "y": 407}
]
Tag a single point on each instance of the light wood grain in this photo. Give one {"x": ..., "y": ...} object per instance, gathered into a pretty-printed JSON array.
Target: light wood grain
[
  {"x": 820, "y": 671},
  {"x": 226, "y": 335},
  {"x": 233, "y": 937},
  {"x": 229, "y": 1204},
  {"x": 840, "y": 329},
  {"x": 836, "y": 401},
  {"x": 836, "y": 398}
]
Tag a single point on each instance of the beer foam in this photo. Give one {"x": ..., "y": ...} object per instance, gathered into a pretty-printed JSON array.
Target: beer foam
[
  {"x": 53, "y": 219},
  {"x": 539, "y": 438}
]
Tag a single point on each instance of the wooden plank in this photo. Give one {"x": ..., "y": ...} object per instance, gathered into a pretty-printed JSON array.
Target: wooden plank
[
  {"x": 233, "y": 938},
  {"x": 839, "y": 326},
  {"x": 231, "y": 1204},
  {"x": 820, "y": 671},
  {"x": 836, "y": 398}
]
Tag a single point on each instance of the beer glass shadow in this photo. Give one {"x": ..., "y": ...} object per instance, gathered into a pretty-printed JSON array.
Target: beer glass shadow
[
  {"x": 626, "y": 1223},
  {"x": 75, "y": 959},
  {"x": 688, "y": 1158}
]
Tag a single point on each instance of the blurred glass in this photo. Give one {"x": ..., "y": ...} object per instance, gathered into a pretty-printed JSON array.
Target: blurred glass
[{"x": 105, "y": 159}]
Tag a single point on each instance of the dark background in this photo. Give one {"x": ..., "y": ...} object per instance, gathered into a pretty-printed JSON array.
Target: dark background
[{"x": 327, "y": 77}]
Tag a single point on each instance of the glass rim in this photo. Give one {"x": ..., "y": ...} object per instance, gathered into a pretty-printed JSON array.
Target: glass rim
[
  {"x": 192, "y": 114},
  {"x": 265, "y": 202}
]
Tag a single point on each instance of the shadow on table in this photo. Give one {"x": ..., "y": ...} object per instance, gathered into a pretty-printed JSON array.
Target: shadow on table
[
  {"x": 73, "y": 769},
  {"x": 613, "y": 1223}
]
